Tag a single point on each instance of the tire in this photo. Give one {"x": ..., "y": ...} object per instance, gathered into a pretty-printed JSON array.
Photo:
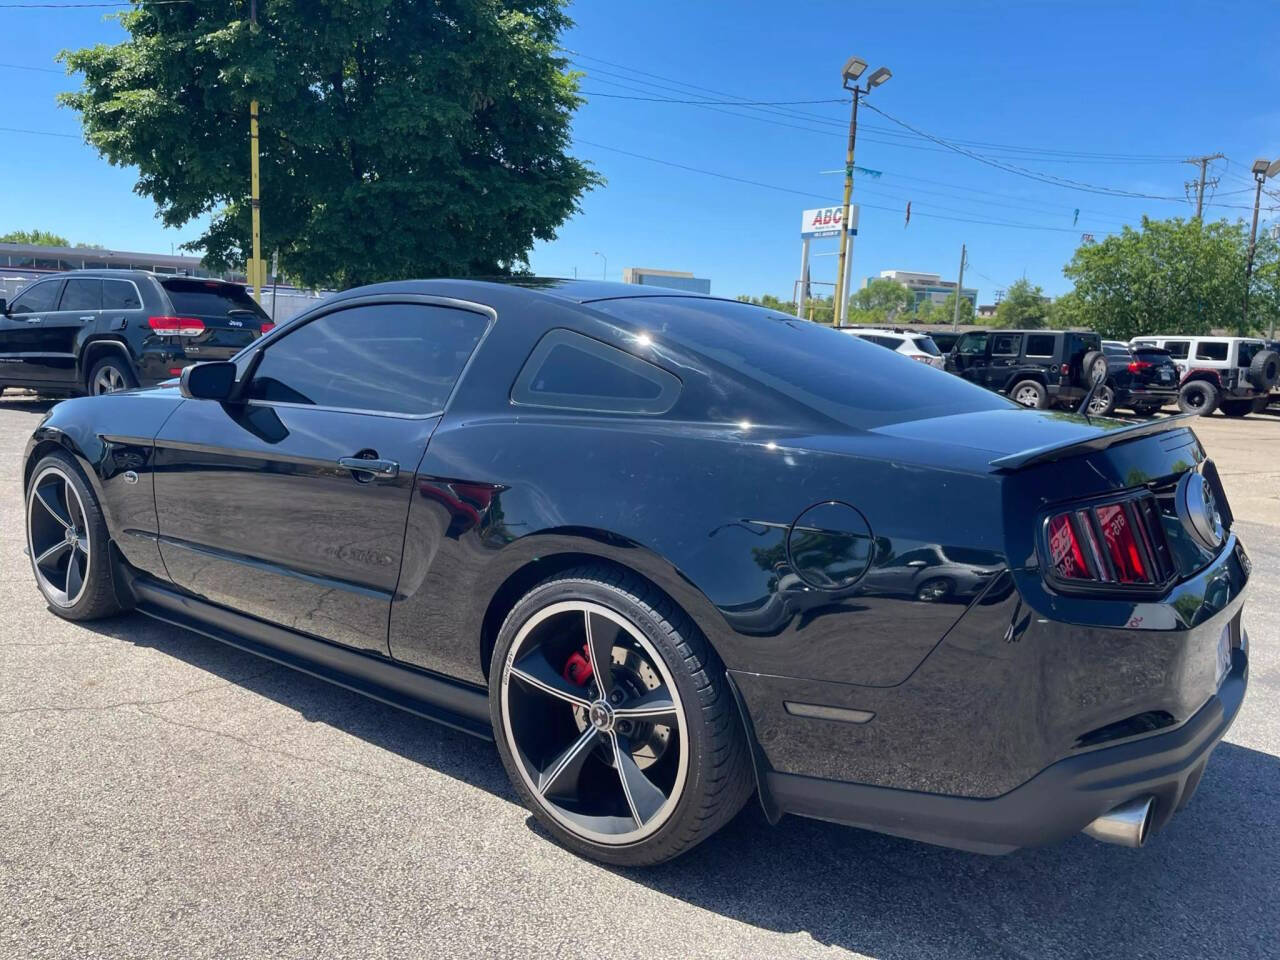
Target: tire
[
  {"x": 67, "y": 541},
  {"x": 1103, "y": 403},
  {"x": 109, "y": 375},
  {"x": 1030, "y": 393},
  {"x": 555, "y": 749},
  {"x": 1198, "y": 396},
  {"x": 1095, "y": 361},
  {"x": 1264, "y": 371},
  {"x": 1237, "y": 408}
]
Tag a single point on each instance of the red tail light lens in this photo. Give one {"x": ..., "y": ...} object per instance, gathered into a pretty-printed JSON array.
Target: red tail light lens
[
  {"x": 267, "y": 327},
  {"x": 1139, "y": 365},
  {"x": 1066, "y": 369},
  {"x": 1115, "y": 544},
  {"x": 176, "y": 326}
]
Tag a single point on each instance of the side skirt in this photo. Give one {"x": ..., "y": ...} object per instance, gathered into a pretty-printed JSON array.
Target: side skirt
[{"x": 460, "y": 706}]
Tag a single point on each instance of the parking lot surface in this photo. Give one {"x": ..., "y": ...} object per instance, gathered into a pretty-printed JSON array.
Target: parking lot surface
[{"x": 163, "y": 795}]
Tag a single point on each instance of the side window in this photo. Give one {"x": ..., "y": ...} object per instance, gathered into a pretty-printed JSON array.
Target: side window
[
  {"x": 1039, "y": 345},
  {"x": 81, "y": 293},
  {"x": 37, "y": 298},
  {"x": 401, "y": 358},
  {"x": 1006, "y": 344},
  {"x": 972, "y": 345},
  {"x": 570, "y": 371},
  {"x": 1208, "y": 350},
  {"x": 1177, "y": 348},
  {"x": 120, "y": 295}
]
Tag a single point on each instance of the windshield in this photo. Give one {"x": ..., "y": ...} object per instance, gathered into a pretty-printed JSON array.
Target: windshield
[
  {"x": 926, "y": 345},
  {"x": 846, "y": 378}
]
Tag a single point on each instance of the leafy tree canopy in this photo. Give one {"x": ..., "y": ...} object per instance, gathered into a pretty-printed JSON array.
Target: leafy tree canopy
[
  {"x": 397, "y": 138},
  {"x": 946, "y": 310},
  {"x": 770, "y": 301},
  {"x": 36, "y": 238},
  {"x": 881, "y": 301},
  {"x": 1173, "y": 276},
  {"x": 1024, "y": 307}
]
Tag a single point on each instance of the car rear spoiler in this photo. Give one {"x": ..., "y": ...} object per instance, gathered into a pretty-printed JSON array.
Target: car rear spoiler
[{"x": 1099, "y": 441}]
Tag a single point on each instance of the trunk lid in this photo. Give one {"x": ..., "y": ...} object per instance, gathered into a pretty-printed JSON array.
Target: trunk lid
[{"x": 230, "y": 317}]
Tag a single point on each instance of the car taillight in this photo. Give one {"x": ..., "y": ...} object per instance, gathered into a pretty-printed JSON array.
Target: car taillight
[
  {"x": 1066, "y": 369},
  {"x": 267, "y": 327},
  {"x": 1120, "y": 543},
  {"x": 1139, "y": 365},
  {"x": 922, "y": 357},
  {"x": 176, "y": 326}
]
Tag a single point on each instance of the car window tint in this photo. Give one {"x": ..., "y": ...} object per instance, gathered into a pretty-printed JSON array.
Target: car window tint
[
  {"x": 926, "y": 345},
  {"x": 37, "y": 298},
  {"x": 119, "y": 295},
  {"x": 573, "y": 372},
  {"x": 972, "y": 344},
  {"x": 81, "y": 293},
  {"x": 1247, "y": 352},
  {"x": 208, "y": 298},
  {"x": 1207, "y": 350},
  {"x": 1006, "y": 344},
  {"x": 1115, "y": 352},
  {"x": 389, "y": 357},
  {"x": 1040, "y": 345},
  {"x": 1177, "y": 348}
]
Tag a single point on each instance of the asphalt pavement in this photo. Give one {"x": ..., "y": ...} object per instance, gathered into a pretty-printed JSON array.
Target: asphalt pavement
[{"x": 162, "y": 795}]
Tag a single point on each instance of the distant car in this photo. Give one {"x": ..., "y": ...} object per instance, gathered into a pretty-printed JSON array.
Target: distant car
[
  {"x": 1036, "y": 368},
  {"x": 944, "y": 339},
  {"x": 917, "y": 346},
  {"x": 1144, "y": 378},
  {"x": 1235, "y": 374},
  {"x": 671, "y": 551},
  {"x": 99, "y": 331}
]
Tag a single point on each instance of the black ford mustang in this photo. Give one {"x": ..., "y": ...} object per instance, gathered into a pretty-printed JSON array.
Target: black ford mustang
[{"x": 670, "y": 550}]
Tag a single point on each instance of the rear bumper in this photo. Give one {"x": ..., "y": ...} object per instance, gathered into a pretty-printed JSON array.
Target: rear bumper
[
  {"x": 1048, "y": 808},
  {"x": 1144, "y": 395}
]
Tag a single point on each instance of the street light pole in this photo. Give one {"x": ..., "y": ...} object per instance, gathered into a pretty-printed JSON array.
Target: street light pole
[
  {"x": 853, "y": 69},
  {"x": 256, "y": 272},
  {"x": 604, "y": 273},
  {"x": 1261, "y": 171}
]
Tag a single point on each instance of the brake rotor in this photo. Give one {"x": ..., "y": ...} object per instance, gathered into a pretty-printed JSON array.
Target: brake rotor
[{"x": 634, "y": 677}]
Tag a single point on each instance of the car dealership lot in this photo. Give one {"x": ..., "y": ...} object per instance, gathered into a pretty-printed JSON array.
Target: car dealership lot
[{"x": 164, "y": 795}]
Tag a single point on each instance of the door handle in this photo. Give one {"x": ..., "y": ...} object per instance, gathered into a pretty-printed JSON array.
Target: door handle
[
  {"x": 89, "y": 317},
  {"x": 381, "y": 469},
  {"x": 33, "y": 319}
]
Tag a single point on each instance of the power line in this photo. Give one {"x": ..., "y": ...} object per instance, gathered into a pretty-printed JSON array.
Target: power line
[
  {"x": 23, "y": 66},
  {"x": 740, "y": 103},
  {"x": 85, "y": 6},
  {"x": 40, "y": 133}
]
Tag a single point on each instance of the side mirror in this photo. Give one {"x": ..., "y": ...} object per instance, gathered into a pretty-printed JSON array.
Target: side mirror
[{"x": 215, "y": 380}]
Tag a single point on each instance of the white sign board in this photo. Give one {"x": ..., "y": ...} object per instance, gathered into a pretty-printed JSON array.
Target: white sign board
[{"x": 825, "y": 222}]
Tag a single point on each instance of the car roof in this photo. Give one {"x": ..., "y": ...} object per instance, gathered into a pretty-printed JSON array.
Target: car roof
[{"x": 490, "y": 290}]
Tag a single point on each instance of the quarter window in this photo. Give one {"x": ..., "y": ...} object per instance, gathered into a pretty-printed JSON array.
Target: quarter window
[
  {"x": 81, "y": 293},
  {"x": 1040, "y": 345},
  {"x": 1208, "y": 350},
  {"x": 37, "y": 298},
  {"x": 120, "y": 295},
  {"x": 1177, "y": 348},
  {"x": 573, "y": 372},
  {"x": 400, "y": 358},
  {"x": 1006, "y": 344}
]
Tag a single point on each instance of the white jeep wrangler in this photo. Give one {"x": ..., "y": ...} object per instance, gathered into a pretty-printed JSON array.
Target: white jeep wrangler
[{"x": 1235, "y": 374}]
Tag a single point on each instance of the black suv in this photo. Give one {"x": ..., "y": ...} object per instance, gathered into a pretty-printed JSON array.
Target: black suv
[
  {"x": 1144, "y": 378},
  {"x": 98, "y": 331},
  {"x": 1036, "y": 368}
]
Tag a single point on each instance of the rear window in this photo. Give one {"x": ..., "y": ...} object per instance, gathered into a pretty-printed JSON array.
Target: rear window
[
  {"x": 203, "y": 298},
  {"x": 1080, "y": 343},
  {"x": 1248, "y": 351},
  {"x": 926, "y": 345},
  {"x": 1040, "y": 344},
  {"x": 833, "y": 374},
  {"x": 1115, "y": 352},
  {"x": 1206, "y": 350}
]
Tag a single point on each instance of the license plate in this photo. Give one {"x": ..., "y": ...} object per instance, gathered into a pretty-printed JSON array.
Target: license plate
[
  {"x": 1166, "y": 375},
  {"x": 1224, "y": 655}
]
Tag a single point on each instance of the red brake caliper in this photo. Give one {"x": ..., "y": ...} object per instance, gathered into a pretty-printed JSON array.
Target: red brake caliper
[{"x": 577, "y": 668}]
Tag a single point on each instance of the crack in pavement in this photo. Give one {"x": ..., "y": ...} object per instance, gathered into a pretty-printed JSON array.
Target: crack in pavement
[{"x": 237, "y": 681}]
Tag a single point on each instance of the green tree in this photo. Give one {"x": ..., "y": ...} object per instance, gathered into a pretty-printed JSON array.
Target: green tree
[
  {"x": 925, "y": 311},
  {"x": 946, "y": 310},
  {"x": 1023, "y": 308},
  {"x": 1066, "y": 312},
  {"x": 770, "y": 301},
  {"x": 880, "y": 301},
  {"x": 36, "y": 238},
  {"x": 397, "y": 138},
  {"x": 1172, "y": 276}
]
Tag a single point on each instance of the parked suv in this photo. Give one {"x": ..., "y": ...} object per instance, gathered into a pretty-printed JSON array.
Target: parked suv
[
  {"x": 98, "y": 331},
  {"x": 1144, "y": 378},
  {"x": 917, "y": 346},
  {"x": 1234, "y": 373},
  {"x": 1036, "y": 368}
]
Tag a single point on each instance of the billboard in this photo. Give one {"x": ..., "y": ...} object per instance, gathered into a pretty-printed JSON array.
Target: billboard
[{"x": 825, "y": 222}]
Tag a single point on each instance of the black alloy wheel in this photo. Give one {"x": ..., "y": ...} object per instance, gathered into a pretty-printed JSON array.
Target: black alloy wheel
[{"x": 625, "y": 748}]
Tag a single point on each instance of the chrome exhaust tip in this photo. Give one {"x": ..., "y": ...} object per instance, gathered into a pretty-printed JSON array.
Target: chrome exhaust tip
[{"x": 1126, "y": 825}]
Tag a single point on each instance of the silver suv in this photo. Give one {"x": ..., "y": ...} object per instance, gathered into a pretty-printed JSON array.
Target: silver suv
[{"x": 1235, "y": 374}]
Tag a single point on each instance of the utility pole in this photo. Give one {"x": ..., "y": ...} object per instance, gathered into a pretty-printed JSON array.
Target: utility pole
[
  {"x": 1203, "y": 164},
  {"x": 853, "y": 69},
  {"x": 257, "y": 267},
  {"x": 1261, "y": 172},
  {"x": 955, "y": 316}
]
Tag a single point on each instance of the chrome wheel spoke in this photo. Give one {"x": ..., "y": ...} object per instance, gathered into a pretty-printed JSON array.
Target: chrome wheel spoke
[
  {"x": 561, "y": 774},
  {"x": 600, "y": 645},
  {"x": 655, "y": 705},
  {"x": 643, "y": 797},
  {"x": 536, "y": 672}
]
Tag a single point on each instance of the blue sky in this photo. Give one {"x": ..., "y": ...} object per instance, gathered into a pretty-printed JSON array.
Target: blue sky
[{"x": 1064, "y": 90}]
